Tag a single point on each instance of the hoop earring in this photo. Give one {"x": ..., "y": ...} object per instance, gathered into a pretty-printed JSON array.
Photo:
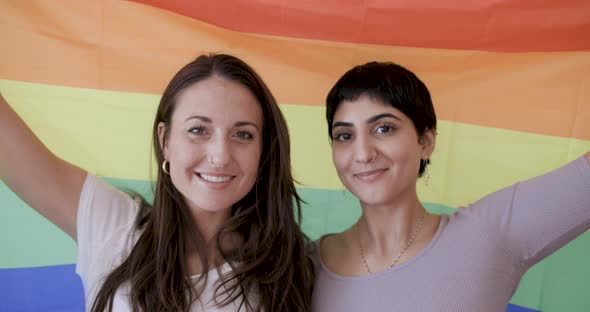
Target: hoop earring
[{"x": 164, "y": 163}]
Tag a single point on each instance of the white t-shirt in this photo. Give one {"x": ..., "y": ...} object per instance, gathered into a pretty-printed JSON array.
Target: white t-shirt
[{"x": 106, "y": 234}]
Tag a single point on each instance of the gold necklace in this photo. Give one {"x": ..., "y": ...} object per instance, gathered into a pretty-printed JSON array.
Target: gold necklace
[{"x": 412, "y": 239}]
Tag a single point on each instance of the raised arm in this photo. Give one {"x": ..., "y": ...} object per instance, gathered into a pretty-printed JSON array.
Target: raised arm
[
  {"x": 45, "y": 182},
  {"x": 540, "y": 215}
]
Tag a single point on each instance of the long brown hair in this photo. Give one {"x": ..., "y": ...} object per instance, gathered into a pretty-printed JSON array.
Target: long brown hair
[{"x": 270, "y": 267}]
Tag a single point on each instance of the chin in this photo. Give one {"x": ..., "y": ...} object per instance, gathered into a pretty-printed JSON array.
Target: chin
[
  {"x": 374, "y": 198},
  {"x": 211, "y": 205},
  {"x": 369, "y": 199},
  {"x": 372, "y": 202}
]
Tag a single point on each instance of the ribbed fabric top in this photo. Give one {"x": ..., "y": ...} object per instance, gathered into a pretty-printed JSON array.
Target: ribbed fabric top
[{"x": 478, "y": 254}]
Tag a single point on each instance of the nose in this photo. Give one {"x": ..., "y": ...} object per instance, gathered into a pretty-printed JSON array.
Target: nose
[
  {"x": 219, "y": 152},
  {"x": 364, "y": 150}
]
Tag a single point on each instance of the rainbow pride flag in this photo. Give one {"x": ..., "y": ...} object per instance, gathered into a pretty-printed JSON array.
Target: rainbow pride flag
[{"x": 510, "y": 81}]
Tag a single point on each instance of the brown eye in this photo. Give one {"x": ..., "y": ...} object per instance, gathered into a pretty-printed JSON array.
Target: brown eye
[
  {"x": 197, "y": 130},
  {"x": 384, "y": 129},
  {"x": 343, "y": 136}
]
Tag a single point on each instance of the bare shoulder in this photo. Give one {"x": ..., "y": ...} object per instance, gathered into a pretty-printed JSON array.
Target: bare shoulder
[
  {"x": 331, "y": 245},
  {"x": 335, "y": 252}
]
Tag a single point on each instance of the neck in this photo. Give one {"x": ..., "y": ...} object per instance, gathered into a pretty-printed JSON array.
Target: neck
[
  {"x": 209, "y": 224},
  {"x": 385, "y": 229}
]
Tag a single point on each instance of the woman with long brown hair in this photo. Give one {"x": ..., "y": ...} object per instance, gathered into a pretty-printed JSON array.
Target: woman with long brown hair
[{"x": 223, "y": 231}]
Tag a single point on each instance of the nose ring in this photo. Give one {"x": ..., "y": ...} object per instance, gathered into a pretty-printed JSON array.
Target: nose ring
[{"x": 214, "y": 164}]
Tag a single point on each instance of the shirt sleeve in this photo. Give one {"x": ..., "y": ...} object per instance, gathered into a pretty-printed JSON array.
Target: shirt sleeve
[
  {"x": 538, "y": 216},
  {"x": 101, "y": 211}
]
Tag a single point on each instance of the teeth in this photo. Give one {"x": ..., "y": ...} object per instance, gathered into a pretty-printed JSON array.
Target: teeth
[{"x": 215, "y": 179}]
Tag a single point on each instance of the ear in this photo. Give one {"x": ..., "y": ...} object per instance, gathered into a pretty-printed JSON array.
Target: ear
[
  {"x": 428, "y": 142},
  {"x": 162, "y": 139}
]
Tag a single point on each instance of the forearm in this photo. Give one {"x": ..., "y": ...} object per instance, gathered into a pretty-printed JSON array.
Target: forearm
[{"x": 45, "y": 182}]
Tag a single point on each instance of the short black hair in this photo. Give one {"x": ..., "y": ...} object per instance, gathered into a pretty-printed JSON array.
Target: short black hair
[{"x": 391, "y": 84}]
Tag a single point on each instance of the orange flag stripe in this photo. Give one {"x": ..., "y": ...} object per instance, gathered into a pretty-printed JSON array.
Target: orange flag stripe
[{"x": 125, "y": 46}]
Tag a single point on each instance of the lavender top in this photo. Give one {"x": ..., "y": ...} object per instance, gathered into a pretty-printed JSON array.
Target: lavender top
[{"x": 478, "y": 254}]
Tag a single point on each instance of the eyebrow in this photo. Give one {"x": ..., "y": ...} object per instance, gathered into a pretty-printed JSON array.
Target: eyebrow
[
  {"x": 370, "y": 120},
  {"x": 245, "y": 123},
  {"x": 341, "y": 124},
  {"x": 237, "y": 124},
  {"x": 201, "y": 118},
  {"x": 381, "y": 116}
]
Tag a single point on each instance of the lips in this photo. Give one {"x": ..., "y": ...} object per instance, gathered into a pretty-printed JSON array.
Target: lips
[
  {"x": 370, "y": 175},
  {"x": 215, "y": 178}
]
